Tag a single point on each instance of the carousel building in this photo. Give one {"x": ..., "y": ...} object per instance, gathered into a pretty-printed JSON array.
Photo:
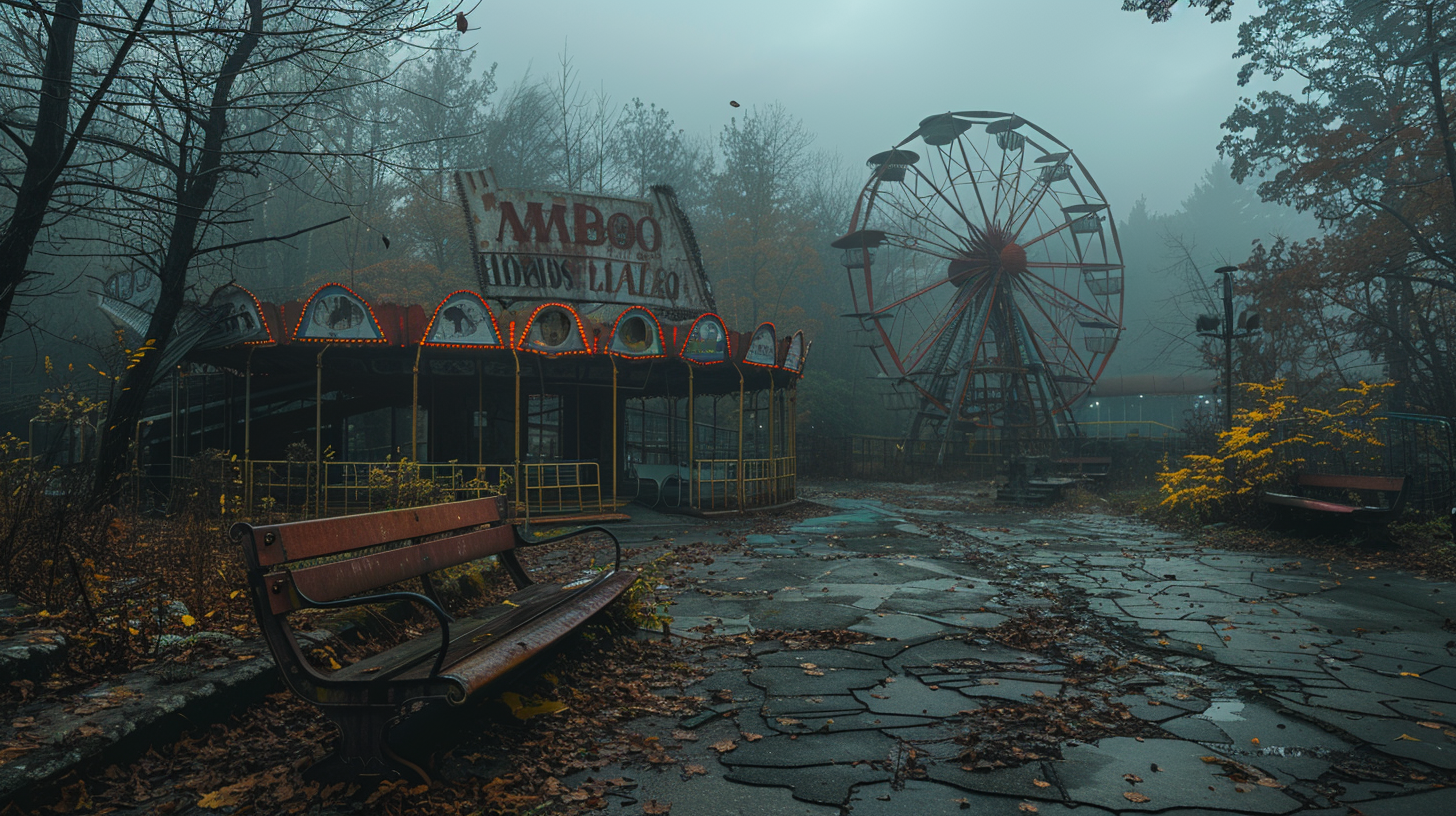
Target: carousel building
[{"x": 587, "y": 369}]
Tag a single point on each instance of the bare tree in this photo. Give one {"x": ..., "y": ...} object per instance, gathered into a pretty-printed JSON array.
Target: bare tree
[
  {"x": 272, "y": 67},
  {"x": 43, "y": 133}
]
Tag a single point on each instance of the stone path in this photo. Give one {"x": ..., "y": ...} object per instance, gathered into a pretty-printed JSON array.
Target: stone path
[{"x": 1210, "y": 681}]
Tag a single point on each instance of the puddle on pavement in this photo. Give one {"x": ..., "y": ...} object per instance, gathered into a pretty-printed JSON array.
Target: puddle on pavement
[{"x": 1223, "y": 710}]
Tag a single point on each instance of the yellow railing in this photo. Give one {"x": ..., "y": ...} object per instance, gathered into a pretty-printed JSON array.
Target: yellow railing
[
  {"x": 1129, "y": 429},
  {"x": 294, "y": 489},
  {"x": 730, "y": 484},
  {"x": 554, "y": 487},
  {"x": 287, "y": 489}
]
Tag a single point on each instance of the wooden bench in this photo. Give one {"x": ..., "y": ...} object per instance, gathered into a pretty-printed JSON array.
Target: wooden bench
[
  {"x": 328, "y": 563},
  {"x": 1337, "y": 487}
]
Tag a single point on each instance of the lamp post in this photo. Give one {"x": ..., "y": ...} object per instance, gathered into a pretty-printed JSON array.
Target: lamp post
[{"x": 1226, "y": 331}]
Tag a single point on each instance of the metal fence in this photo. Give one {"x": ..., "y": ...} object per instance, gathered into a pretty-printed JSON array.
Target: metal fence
[
  {"x": 731, "y": 484},
  {"x": 310, "y": 489},
  {"x": 1419, "y": 447}
]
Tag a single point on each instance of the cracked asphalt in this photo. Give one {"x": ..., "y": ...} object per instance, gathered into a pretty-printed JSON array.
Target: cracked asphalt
[{"x": 1050, "y": 662}]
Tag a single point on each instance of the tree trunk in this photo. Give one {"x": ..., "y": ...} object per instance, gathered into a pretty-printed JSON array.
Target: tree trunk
[
  {"x": 196, "y": 187},
  {"x": 43, "y": 157}
]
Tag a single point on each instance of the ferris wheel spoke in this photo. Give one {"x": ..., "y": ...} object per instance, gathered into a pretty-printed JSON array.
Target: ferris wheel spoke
[
  {"x": 911, "y": 296},
  {"x": 1084, "y": 265},
  {"x": 1055, "y": 325},
  {"x": 948, "y": 320},
  {"x": 924, "y": 215},
  {"x": 1041, "y": 190},
  {"x": 947, "y": 240},
  {"x": 1016, "y": 196},
  {"x": 940, "y": 194},
  {"x": 995, "y": 203},
  {"x": 1070, "y": 302},
  {"x": 924, "y": 246},
  {"x": 952, "y": 178},
  {"x": 1045, "y": 235},
  {"x": 927, "y": 341},
  {"x": 975, "y": 182}
]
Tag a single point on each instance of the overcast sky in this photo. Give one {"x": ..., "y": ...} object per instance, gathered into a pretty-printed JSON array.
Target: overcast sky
[{"x": 1140, "y": 104}]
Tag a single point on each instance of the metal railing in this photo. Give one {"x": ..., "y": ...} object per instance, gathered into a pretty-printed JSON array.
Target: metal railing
[
  {"x": 557, "y": 487},
  {"x": 295, "y": 489},
  {"x": 731, "y": 484}
]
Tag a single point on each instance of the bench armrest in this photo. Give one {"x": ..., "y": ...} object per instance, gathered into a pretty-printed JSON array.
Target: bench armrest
[
  {"x": 429, "y": 603},
  {"x": 527, "y": 540}
]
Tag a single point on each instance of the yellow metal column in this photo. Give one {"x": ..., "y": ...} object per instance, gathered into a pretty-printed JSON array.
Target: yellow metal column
[
  {"x": 516, "y": 432},
  {"x": 415, "y": 407},
  {"x": 613, "y": 361},
  {"x": 793, "y": 443},
  {"x": 740, "y": 436},
  {"x": 247, "y": 432},
  {"x": 479, "y": 412},
  {"x": 318, "y": 432},
  {"x": 773, "y": 481},
  {"x": 692, "y": 435}
]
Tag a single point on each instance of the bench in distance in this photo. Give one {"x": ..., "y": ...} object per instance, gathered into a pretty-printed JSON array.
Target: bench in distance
[{"x": 1336, "y": 486}]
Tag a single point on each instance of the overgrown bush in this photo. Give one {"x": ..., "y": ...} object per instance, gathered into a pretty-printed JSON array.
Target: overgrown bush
[{"x": 1267, "y": 445}]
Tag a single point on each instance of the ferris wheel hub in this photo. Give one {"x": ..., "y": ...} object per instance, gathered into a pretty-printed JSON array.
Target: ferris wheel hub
[{"x": 1013, "y": 258}]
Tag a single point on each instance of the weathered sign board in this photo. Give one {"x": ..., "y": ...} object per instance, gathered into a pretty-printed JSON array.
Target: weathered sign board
[{"x": 582, "y": 248}]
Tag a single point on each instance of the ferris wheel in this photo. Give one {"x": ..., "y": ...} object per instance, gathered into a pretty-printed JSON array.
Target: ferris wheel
[{"x": 987, "y": 276}]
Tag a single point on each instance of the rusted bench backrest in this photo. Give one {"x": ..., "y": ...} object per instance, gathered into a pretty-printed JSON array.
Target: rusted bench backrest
[
  {"x": 1392, "y": 484},
  {"x": 272, "y": 549}
]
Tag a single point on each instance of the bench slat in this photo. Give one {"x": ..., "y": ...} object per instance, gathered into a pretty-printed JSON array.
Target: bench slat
[
  {"x": 294, "y": 541},
  {"x": 1308, "y": 504},
  {"x": 535, "y": 635},
  {"x": 342, "y": 579},
  {"x": 412, "y": 661},
  {"x": 1387, "y": 483}
]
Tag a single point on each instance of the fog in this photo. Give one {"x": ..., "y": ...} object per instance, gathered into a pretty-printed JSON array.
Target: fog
[{"x": 1140, "y": 104}]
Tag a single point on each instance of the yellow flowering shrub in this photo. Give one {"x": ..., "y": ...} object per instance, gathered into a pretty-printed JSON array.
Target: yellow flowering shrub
[{"x": 1267, "y": 444}]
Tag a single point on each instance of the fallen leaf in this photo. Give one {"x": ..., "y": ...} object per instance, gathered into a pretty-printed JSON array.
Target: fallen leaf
[
  {"x": 1132, "y": 778},
  {"x": 724, "y": 746},
  {"x": 1026, "y": 807},
  {"x": 1134, "y": 796},
  {"x": 1040, "y": 783},
  {"x": 1407, "y": 737},
  {"x": 1268, "y": 782},
  {"x": 654, "y": 808},
  {"x": 693, "y": 770},
  {"x": 230, "y": 796},
  {"x": 684, "y": 736},
  {"x": 754, "y": 737},
  {"x": 1436, "y": 726},
  {"x": 526, "y": 708}
]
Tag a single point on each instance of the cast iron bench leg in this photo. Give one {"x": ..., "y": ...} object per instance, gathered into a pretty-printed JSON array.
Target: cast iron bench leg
[{"x": 363, "y": 749}]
